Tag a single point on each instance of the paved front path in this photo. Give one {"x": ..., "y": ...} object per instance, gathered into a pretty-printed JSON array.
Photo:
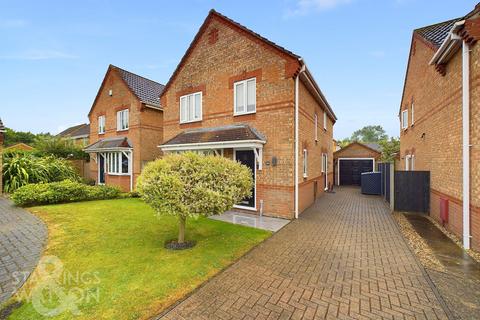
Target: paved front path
[
  {"x": 22, "y": 237},
  {"x": 343, "y": 259}
]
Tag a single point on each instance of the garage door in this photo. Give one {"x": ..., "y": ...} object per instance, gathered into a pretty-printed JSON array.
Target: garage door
[{"x": 351, "y": 170}]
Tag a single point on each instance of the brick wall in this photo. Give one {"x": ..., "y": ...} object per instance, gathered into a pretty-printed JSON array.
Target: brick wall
[
  {"x": 435, "y": 138},
  {"x": 145, "y": 126},
  {"x": 314, "y": 184}
]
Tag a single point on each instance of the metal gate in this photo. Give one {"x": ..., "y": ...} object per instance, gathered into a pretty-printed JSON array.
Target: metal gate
[{"x": 412, "y": 191}]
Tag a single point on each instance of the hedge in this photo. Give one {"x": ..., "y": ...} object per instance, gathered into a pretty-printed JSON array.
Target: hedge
[{"x": 61, "y": 192}]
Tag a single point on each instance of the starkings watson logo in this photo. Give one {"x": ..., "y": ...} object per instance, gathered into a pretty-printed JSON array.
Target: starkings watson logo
[{"x": 53, "y": 290}]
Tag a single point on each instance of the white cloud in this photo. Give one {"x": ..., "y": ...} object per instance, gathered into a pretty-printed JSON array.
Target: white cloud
[
  {"x": 12, "y": 23},
  {"x": 307, "y": 6},
  {"x": 39, "y": 55}
]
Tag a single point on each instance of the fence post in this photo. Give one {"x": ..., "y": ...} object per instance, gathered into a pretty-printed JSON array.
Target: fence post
[{"x": 392, "y": 187}]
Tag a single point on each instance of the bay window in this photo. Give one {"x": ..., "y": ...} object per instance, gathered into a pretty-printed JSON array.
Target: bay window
[{"x": 118, "y": 163}]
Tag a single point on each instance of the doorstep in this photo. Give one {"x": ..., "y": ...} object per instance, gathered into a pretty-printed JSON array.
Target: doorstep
[{"x": 252, "y": 220}]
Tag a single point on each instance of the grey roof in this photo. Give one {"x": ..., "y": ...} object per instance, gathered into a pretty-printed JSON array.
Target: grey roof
[
  {"x": 437, "y": 33},
  {"x": 238, "y": 132},
  {"x": 148, "y": 91},
  {"x": 108, "y": 144},
  {"x": 75, "y": 131},
  {"x": 374, "y": 146},
  {"x": 2, "y": 127}
]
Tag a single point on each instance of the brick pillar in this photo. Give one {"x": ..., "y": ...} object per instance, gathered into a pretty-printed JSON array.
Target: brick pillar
[{"x": 2, "y": 137}]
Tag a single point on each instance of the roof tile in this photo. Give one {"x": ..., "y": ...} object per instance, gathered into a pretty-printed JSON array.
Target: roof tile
[{"x": 436, "y": 33}]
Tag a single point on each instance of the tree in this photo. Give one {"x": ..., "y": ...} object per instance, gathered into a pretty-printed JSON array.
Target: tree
[
  {"x": 344, "y": 142},
  {"x": 190, "y": 185},
  {"x": 13, "y": 137},
  {"x": 59, "y": 147},
  {"x": 369, "y": 134},
  {"x": 390, "y": 149}
]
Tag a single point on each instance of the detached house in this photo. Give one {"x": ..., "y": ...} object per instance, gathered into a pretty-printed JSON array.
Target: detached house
[
  {"x": 125, "y": 127},
  {"x": 78, "y": 134},
  {"x": 440, "y": 120},
  {"x": 241, "y": 96}
]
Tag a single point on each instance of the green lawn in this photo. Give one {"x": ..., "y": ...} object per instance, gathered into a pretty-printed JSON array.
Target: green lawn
[{"x": 120, "y": 242}]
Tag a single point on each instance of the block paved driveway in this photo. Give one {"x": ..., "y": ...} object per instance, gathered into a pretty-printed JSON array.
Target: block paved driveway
[
  {"x": 22, "y": 237},
  {"x": 343, "y": 259}
]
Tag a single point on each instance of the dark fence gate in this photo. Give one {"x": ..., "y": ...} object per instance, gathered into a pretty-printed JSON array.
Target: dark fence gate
[
  {"x": 384, "y": 168},
  {"x": 412, "y": 191}
]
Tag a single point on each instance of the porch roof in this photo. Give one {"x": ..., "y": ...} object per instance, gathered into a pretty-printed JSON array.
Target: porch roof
[
  {"x": 216, "y": 137},
  {"x": 109, "y": 144}
]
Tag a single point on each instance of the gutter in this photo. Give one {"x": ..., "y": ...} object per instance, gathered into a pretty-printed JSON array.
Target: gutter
[
  {"x": 466, "y": 142},
  {"x": 451, "y": 43},
  {"x": 297, "y": 79}
]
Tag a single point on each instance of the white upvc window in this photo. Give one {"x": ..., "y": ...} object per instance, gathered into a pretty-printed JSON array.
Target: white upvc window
[
  {"x": 191, "y": 107},
  {"x": 324, "y": 120},
  {"x": 413, "y": 113},
  {"x": 305, "y": 163},
  {"x": 410, "y": 162},
  {"x": 101, "y": 124},
  {"x": 122, "y": 120},
  {"x": 315, "y": 118},
  {"x": 324, "y": 162},
  {"x": 404, "y": 119},
  {"x": 245, "y": 97},
  {"x": 118, "y": 163}
]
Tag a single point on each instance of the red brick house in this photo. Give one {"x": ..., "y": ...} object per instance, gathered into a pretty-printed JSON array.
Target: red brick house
[
  {"x": 237, "y": 94},
  {"x": 79, "y": 134},
  {"x": 440, "y": 120},
  {"x": 125, "y": 127},
  {"x": 351, "y": 161}
]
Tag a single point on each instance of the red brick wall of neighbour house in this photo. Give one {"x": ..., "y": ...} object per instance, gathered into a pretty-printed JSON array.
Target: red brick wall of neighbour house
[
  {"x": 435, "y": 139},
  {"x": 211, "y": 67},
  {"x": 355, "y": 151},
  {"x": 308, "y": 107},
  {"x": 143, "y": 129}
]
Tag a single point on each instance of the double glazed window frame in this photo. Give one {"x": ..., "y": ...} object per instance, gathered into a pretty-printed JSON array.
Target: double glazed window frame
[
  {"x": 188, "y": 107},
  {"x": 123, "y": 118},
  {"x": 404, "y": 119},
  {"x": 114, "y": 163},
  {"x": 101, "y": 124},
  {"x": 305, "y": 163},
  {"x": 245, "y": 110}
]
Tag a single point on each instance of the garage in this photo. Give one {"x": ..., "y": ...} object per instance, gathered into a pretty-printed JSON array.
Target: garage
[
  {"x": 354, "y": 159},
  {"x": 350, "y": 170}
]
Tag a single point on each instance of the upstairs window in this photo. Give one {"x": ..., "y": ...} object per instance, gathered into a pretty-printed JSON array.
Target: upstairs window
[
  {"x": 122, "y": 120},
  {"x": 413, "y": 113},
  {"x": 324, "y": 120},
  {"x": 191, "y": 107},
  {"x": 101, "y": 124},
  {"x": 305, "y": 163},
  {"x": 315, "y": 118},
  {"x": 245, "y": 97},
  {"x": 404, "y": 119}
]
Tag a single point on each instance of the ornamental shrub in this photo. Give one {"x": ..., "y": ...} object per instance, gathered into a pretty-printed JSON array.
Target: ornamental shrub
[
  {"x": 193, "y": 185},
  {"x": 20, "y": 169},
  {"x": 61, "y": 192}
]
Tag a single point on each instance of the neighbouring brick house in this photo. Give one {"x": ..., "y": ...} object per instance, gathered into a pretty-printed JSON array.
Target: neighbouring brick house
[
  {"x": 125, "y": 127},
  {"x": 2, "y": 138},
  {"x": 351, "y": 161},
  {"x": 440, "y": 120},
  {"x": 78, "y": 134},
  {"x": 237, "y": 94}
]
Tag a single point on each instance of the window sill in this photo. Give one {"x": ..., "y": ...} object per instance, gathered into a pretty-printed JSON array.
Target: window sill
[
  {"x": 122, "y": 130},
  {"x": 235, "y": 114},
  {"x": 237, "y": 206},
  {"x": 192, "y": 121},
  {"x": 118, "y": 174}
]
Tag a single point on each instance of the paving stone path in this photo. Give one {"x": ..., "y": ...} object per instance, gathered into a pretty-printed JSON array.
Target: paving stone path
[
  {"x": 343, "y": 259},
  {"x": 22, "y": 237}
]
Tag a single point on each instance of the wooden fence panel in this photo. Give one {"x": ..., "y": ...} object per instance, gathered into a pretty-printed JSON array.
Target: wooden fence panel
[{"x": 412, "y": 191}]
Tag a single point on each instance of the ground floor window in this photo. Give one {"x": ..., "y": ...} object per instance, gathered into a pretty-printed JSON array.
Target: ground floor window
[{"x": 118, "y": 162}]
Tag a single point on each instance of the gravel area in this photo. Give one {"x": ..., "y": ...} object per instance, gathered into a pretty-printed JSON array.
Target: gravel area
[{"x": 419, "y": 246}]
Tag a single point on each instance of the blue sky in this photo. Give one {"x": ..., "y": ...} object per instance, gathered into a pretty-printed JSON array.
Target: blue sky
[{"x": 54, "y": 54}]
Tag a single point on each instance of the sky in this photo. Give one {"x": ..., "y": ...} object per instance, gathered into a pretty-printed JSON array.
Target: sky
[{"x": 54, "y": 54}]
